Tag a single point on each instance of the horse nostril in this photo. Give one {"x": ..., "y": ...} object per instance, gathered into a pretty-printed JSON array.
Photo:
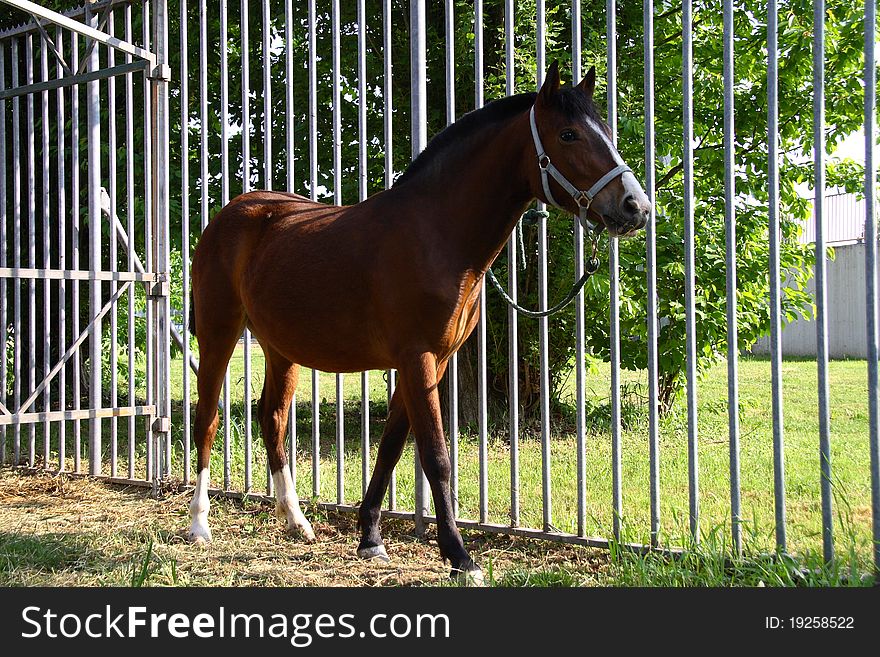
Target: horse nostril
[{"x": 630, "y": 204}]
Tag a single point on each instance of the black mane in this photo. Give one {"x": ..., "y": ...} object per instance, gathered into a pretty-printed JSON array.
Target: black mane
[{"x": 572, "y": 102}]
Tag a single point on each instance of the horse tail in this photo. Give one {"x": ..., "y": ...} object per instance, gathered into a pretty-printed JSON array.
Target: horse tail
[{"x": 192, "y": 314}]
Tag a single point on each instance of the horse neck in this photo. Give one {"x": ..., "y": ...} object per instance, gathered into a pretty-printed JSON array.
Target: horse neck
[{"x": 477, "y": 195}]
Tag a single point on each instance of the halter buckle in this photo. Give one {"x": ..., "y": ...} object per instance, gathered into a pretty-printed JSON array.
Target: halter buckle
[
  {"x": 583, "y": 200},
  {"x": 543, "y": 161}
]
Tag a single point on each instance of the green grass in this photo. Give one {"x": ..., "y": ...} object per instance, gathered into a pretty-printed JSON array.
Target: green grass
[
  {"x": 46, "y": 552},
  {"x": 850, "y": 458}
]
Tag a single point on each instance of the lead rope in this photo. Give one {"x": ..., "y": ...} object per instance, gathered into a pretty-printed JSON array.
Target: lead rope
[{"x": 592, "y": 266}]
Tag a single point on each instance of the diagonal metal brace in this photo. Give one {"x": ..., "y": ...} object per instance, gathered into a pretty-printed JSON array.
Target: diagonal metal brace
[
  {"x": 102, "y": 23},
  {"x": 51, "y": 43}
]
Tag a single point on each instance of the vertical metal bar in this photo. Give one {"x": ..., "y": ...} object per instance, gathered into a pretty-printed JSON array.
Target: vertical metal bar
[
  {"x": 16, "y": 251},
  {"x": 184, "y": 230},
  {"x": 388, "y": 108},
  {"x": 74, "y": 213},
  {"x": 291, "y": 428},
  {"x": 93, "y": 93},
  {"x": 291, "y": 182},
  {"x": 452, "y": 373},
  {"x": 245, "y": 187},
  {"x": 4, "y": 321},
  {"x": 580, "y": 349},
  {"x": 47, "y": 396},
  {"x": 362, "y": 194},
  {"x": 821, "y": 290},
  {"x": 132, "y": 243},
  {"x": 543, "y": 325},
  {"x": 32, "y": 244},
  {"x": 730, "y": 234},
  {"x": 289, "y": 117},
  {"x": 224, "y": 187},
  {"x": 689, "y": 273},
  {"x": 114, "y": 317},
  {"x": 340, "y": 440},
  {"x": 482, "y": 363},
  {"x": 775, "y": 321},
  {"x": 418, "y": 117},
  {"x": 313, "y": 194},
  {"x": 203, "y": 113},
  {"x": 337, "y": 199},
  {"x": 62, "y": 252},
  {"x": 267, "y": 176},
  {"x": 160, "y": 194},
  {"x": 267, "y": 97},
  {"x": 871, "y": 266},
  {"x": 651, "y": 267},
  {"x": 148, "y": 249},
  {"x": 512, "y": 276},
  {"x": 614, "y": 280}
]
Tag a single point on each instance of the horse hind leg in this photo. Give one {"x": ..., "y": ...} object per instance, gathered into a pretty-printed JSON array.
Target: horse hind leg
[
  {"x": 273, "y": 410},
  {"x": 217, "y": 336}
]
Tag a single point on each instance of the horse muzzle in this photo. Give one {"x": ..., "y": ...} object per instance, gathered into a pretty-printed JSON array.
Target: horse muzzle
[{"x": 630, "y": 217}]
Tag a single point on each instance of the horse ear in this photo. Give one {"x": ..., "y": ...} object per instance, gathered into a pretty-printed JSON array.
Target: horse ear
[
  {"x": 551, "y": 83},
  {"x": 588, "y": 84}
]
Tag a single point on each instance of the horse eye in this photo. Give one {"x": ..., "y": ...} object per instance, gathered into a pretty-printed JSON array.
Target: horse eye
[{"x": 568, "y": 135}]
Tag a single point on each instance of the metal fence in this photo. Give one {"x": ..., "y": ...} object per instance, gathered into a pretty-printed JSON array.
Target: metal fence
[
  {"x": 60, "y": 144},
  {"x": 302, "y": 51}
]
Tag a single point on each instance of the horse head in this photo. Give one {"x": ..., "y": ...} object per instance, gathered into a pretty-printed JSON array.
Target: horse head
[{"x": 580, "y": 168}]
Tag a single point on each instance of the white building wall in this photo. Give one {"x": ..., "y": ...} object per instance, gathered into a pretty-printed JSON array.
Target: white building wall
[{"x": 847, "y": 333}]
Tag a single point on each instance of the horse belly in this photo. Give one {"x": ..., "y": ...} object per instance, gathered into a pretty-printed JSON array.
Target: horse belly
[{"x": 316, "y": 326}]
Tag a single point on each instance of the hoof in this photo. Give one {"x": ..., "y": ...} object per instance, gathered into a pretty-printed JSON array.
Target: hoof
[
  {"x": 304, "y": 533},
  {"x": 198, "y": 535},
  {"x": 472, "y": 577},
  {"x": 374, "y": 553}
]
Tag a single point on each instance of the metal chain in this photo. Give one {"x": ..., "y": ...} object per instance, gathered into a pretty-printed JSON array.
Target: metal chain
[{"x": 592, "y": 266}]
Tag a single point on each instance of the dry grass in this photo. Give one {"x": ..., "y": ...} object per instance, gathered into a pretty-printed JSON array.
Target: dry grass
[{"x": 57, "y": 530}]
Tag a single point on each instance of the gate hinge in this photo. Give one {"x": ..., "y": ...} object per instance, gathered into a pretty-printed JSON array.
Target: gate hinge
[
  {"x": 162, "y": 424},
  {"x": 160, "y": 287},
  {"x": 160, "y": 72}
]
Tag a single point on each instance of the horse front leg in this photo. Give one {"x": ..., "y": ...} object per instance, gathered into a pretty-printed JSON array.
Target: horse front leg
[{"x": 419, "y": 379}]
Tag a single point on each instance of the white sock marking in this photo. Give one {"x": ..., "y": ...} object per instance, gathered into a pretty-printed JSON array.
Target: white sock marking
[
  {"x": 287, "y": 505},
  {"x": 198, "y": 509}
]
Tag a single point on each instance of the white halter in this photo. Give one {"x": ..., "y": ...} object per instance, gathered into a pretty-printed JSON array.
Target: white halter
[{"x": 583, "y": 199}]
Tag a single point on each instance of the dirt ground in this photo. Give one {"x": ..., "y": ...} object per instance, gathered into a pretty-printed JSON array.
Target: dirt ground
[{"x": 59, "y": 530}]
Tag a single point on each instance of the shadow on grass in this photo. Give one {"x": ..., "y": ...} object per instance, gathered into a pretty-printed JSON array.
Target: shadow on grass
[{"x": 44, "y": 552}]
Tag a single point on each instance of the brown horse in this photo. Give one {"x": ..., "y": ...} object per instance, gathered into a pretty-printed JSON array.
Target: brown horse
[{"x": 392, "y": 282}]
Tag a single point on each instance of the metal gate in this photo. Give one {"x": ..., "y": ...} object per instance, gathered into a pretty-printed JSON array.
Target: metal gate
[
  {"x": 54, "y": 151},
  {"x": 298, "y": 73}
]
